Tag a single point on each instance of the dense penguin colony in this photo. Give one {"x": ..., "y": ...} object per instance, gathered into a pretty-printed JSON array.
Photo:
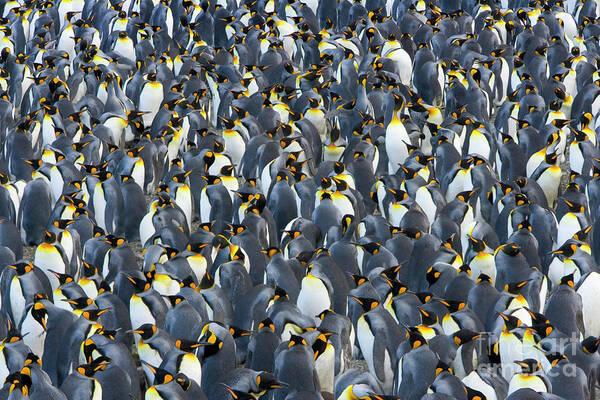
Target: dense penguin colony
[{"x": 334, "y": 199}]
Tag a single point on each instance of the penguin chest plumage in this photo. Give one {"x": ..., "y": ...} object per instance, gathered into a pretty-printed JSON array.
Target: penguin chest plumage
[
  {"x": 317, "y": 117},
  {"x": 457, "y": 184},
  {"x": 325, "y": 367},
  {"x": 313, "y": 297},
  {"x": 117, "y": 126},
  {"x": 56, "y": 182},
  {"x": 474, "y": 381},
  {"x": 17, "y": 300},
  {"x": 124, "y": 47},
  {"x": 48, "y": 257},
  {"x": 395, "y": 213},
  {"x": 139, "y": 313},
  {"x": 549, "y": 181},
  {"x": 366, "y": 341},
  {"x": 511, "y": 350},
  {"x": 165, "y": 285},
  {"x": 343, "y": 203},
  {"x": 483, "y": 263},
  {"x": 205, "y": 206},
  {"x": 396, "y": 139},
  {"x": 568, "y": 226},
  {"x": 100, "y": 206},
  {"x": 151, "y": 97},
  {"x": 588, "y": 291},
  {"x": 198, "y": 264},
  {"x": 138, "y": 173},
  {"x": 146, "y": 227},
  {"x": 479, "y": 144},
  {"x": 34, "y": 334},
  {"x": 234, "y": 145},
  {"x": 97, "y": 390},
  {"x": 183, "y": 198},
  {"x": 534, "y": 382},
  {"x": 190, "y": 366},
  {"x": 331, "y": 152}
]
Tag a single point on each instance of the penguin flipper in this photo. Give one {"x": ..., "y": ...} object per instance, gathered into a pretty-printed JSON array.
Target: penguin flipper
[
  {"x": 379, "y": 349},
  {"x": 579, "y": 322}
]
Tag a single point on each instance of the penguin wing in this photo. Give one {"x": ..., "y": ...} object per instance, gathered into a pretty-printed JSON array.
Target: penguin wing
[
  {"x": 579, "y": 321},
  {"x": 379, "y": 349}
]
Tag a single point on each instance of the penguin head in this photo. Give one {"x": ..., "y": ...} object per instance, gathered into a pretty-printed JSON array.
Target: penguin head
[
  {"x": 271, "y": 252},
  {"x": 464, "y": 336},
  {"x": 582, "y": 234},
  {"x": 590, "y": 344},
  {"x": 237, "y": 394},
  {"x": 238, "y": 332},
  {"x": 568, "y": 249},
  {"x": 443, "y": 367},
  {"x": 391, "y": 273},
  {"x": 266, "y": 324},
  {"x": 20, "y": 381},
  {"x": 477, "y": 245},
  {"x": 555, "y": 358},
  {"x": 415, "y": 338},
  {"x": 453, "y": 305},
  {"x": 32, "y": 360},
  {"x": 114, "y": 241},
  {"x": 296, "y": 341},
  {"x": 428, "y": 318},
  {"x": 529, "y": 366},
  {"x": 473, "y": 394},
  {"x": 396, "y": 288},
  {"x": 280, "y": 294},
  {"x": 510, "y": 322},
  {"x": 161, "y": 376},
  {"x": 372, "y": 247},
  {"x": 425, "y": 297},
  {"x": 482, "y": 278},
  {"x": 175, "y": 300},
  {"x": 568, "y": 280},
  {"x": 265, "y": 381},
  {"x": 399, "y": 195},
  {"x": 236, "y": 253},
  {"x": 510, "y": 249},
  {"x": 432, "y": 275},
  {"x": 574, "y": 207},
  {"x": 13, "y": 335},
  {"x": 207, "y": 282},
  {"x": 140, "y": 285},
  {"x": 366, "y": 303},
  {"x": 183, "y": 381},
  {"x": 464, "y": 269},
  {"x": 320, "y": 344},
  {"x": 79, "y": 303},
  {"x": 146, "y": 331},
  {"x": 187, "y": 345},
  {"x": 524, "y": 225},
  {"x": 359, "y": 279},
  {"x": 40, "y": 313},
  {"x": 49, "y": 237},
  {"x": 88, "y": 370},
  {"x": 88, "y": 270},
  {"x": 93, "y": 315},
  {"x": 466, "y": 196},
  {"x": 515, "y": 287},
  {"x": 22, "y": 268}
]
